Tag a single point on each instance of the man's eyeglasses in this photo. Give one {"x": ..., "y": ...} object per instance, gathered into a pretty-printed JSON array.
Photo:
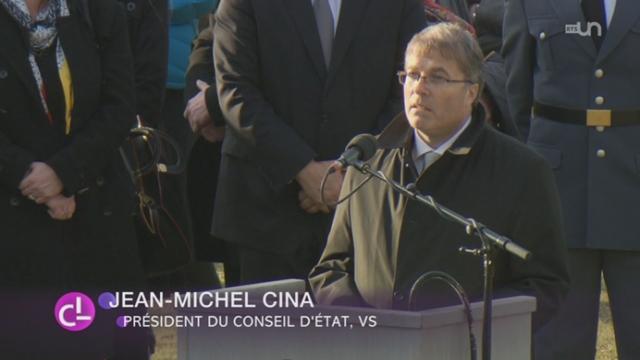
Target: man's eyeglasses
[{"x": 432, "y": 80}]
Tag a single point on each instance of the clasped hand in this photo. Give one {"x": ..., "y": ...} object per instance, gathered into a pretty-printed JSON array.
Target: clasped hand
[
  {"x": 42, "y": 185},
  {"x": 310, "y": 178},
  {"x": 199, "y": 118}
]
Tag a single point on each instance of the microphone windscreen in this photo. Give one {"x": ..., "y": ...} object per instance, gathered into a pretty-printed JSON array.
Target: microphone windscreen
[{"x": 366, "y": 143}]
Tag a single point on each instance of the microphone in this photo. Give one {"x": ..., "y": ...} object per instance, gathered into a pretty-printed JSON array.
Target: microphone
[{"x": 360, "y": 148}]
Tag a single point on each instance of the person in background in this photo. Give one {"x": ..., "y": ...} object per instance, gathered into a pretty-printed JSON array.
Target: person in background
[
  {"x": 193, "y": 274},
  {"x": 295, "y": 81},
  {"x": 454, "y": 11},
  {"x": 486, "y": 17},
  {"x": 148, "y": 22},
  {"x": 66, "y": 105},
  {"x": 205, "y": 119},
  {"x": 573, "y": 79}
]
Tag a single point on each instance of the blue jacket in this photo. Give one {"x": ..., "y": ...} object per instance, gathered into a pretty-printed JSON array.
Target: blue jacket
[{"x": 184, "y": 22}]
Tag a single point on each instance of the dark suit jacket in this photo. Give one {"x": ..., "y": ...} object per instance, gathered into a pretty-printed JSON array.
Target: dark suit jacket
[
  {"x": 381, "y": 242},
  {"x": 284, "y": 108},
  {"x": 547, "y": 64}
]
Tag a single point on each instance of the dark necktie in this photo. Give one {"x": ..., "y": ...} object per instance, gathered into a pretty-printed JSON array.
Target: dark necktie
[
  {"x": 324, "y": 21},
  {"x": 594, "y": 12}
]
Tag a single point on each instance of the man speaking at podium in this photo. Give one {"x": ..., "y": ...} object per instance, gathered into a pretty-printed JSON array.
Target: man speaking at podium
[{"x": 380, "y": 242}]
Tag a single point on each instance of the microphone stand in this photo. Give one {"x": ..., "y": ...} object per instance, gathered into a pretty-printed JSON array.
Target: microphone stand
[{"x": 490, "y": 242}]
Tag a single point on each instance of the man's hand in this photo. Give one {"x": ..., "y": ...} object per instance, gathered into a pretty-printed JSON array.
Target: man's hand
[
  {"x": 61, "y": 207},
  {"x": 310, "y": 178},
  {"x": 196, "y": 112},
  {"x": 40, "y": 183},
  {"x": 309, "y": 205},
  {"x": 212, "y": 133}
]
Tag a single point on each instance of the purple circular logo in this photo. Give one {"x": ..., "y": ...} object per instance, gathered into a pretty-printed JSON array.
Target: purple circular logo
[
  {"x": 107, "y": 300},
  {"x": 121, "y": 321},
  {"x": 74, "y": 311}
]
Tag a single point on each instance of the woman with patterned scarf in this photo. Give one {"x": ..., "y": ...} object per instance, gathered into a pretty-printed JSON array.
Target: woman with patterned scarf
[{"x": 66, "y": 104}]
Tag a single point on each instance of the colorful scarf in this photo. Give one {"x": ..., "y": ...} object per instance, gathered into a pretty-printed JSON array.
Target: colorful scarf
[
  {"x": 42, "y": 34},
  {"x": 438, "y": 13}
]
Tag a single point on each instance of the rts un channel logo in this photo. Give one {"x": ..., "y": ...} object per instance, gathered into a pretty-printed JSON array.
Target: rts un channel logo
[{"x": 577, "y": 29}]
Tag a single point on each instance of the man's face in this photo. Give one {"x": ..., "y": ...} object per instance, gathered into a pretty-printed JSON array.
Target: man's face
[{"x": 436, "y": 109}]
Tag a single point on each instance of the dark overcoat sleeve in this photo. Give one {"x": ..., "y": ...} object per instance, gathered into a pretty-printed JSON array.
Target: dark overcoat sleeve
[
  {"x": 518, "y": 51},
  {"x": 14, "y": 161},
  {"x": 89, "y": 150},
  {"x": 332, "y": 280},
  {"x": 149, "y": 29},
  {"x": 201, "y": 68}
]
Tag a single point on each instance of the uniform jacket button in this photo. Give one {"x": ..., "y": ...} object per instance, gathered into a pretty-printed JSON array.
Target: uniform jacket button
[
  {"x": 599, "y": 100},
  {"x": 599, "y": 73},
  {"x": 599, "y": 128},
  {"x": 14, "y": 201},
  {"x": 601, "y": 153},
  {"x": 107, "y": 212},
  {"x": 3, "y": 74},
  {"x": 542, "y": 35},
  {"x": 100, "y": 181}
]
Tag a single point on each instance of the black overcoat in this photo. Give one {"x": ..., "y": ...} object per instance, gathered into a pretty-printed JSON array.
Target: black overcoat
[{"x": 96, "y": 248}]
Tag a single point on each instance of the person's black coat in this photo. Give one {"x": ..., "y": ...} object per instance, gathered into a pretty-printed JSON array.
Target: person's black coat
[
  {"x": 495, "y": 93},
  {"x": 96, "y": 250},
  {"x": 148, "y": 22},
  {"x": 86, "y": 161},
  {"x": 488, "y": 23}
]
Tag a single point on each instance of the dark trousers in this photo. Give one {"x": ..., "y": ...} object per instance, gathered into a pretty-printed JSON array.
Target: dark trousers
[
  {"x": 572, "y": 333},
  {"x": 260, "y": 265},
  {"x": 202, "y": 180}
]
